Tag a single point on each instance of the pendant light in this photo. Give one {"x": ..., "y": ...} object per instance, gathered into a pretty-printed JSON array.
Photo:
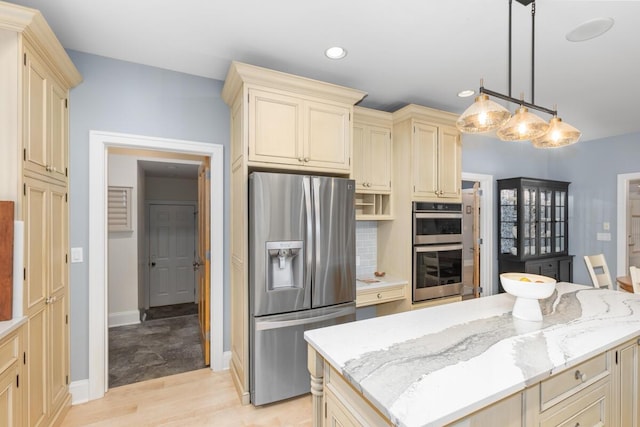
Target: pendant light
[
  {"x": 485, "y": 115},
  {"x": 559, "y": 134}
]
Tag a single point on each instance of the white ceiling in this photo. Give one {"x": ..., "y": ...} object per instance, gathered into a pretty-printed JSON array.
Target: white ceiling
[{"x": 399, "y": 51}]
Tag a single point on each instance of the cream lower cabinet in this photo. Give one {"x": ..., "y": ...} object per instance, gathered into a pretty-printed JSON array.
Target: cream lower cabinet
[
  {"x": 601, "y": 391},
  {"x": 11, "y": 379},
  {"x": 300, "y": 132},
  {"x": 627, "y": 384},
  {"x": 45, "y": 210}
]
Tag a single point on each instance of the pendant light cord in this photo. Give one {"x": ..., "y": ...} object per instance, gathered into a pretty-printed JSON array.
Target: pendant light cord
[
  {"x": 510, "y": 19},
  {"x": 533, "y": 47}
]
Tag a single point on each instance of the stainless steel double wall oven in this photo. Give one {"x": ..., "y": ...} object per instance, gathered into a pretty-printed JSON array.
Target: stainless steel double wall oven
[{"x": 437, "y": 250}]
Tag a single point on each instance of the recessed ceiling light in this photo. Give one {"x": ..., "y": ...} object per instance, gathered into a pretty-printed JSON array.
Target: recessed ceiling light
[
  {"x": 590, "y": 29},
  {"x": 466, "y": 93},
  {"x": 335, "y": 52}
]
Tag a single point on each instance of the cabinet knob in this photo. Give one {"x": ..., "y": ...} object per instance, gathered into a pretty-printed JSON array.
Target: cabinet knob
[
  {"x": 379, "y": 296},
  {"x": 580, "y": 376},
  {"x": 300, "y": 159},
  {"x": 306, "y": 159}
]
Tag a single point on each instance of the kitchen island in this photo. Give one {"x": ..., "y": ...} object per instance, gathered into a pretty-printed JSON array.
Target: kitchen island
[{"x": 471, "y": 361}]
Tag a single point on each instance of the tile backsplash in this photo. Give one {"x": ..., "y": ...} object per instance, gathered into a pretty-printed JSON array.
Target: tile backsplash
[{"x": 366, "y": 247}]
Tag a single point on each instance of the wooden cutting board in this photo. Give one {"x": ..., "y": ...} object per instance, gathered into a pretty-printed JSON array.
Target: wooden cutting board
[{"x": 6, "y": 260}]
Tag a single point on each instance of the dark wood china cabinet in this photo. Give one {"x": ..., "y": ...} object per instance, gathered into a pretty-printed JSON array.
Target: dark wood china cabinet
[{"x": 533, "y": 228}]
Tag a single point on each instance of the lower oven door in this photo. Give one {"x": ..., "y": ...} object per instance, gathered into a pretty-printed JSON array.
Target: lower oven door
[{"x": 437, "y": 271}]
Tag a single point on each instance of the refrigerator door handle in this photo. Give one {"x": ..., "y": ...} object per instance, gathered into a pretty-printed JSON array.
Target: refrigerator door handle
[
  {"x": 317, "y": 232},
  {"x": 277, "y": 324},
  {"x": 309, "y": 232}
]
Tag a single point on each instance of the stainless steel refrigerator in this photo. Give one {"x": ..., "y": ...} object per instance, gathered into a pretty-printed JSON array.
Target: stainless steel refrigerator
[{"x": 301, "y": 274}]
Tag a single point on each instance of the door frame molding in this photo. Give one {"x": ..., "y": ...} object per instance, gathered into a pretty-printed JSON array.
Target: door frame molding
[
  {"x": 99, "y": 143},
  {"x": 486, "y": 230},
  {"x": 621, "y": 229}
]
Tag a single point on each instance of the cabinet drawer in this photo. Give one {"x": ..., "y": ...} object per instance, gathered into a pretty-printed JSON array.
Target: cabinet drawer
[
  {"x": 372, "y": 296},
  {"x": 564, "y": 384},
  {"x": 9, "y": 349},
  {"x": 588, "y": 410}
]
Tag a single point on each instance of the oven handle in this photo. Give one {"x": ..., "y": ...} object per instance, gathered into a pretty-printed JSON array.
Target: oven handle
[
  {"x": 421, "y": 215},
  {"x": 436, "y": 248}
]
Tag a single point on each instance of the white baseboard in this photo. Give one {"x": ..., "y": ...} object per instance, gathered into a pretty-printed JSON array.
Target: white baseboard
[
  {"x": 124, "y": 318},
  {"x": 226, "y": 360},
  {"x": 79, "y": 392}
]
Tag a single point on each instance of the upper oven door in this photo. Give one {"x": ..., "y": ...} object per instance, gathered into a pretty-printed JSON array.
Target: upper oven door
[{"x": 436, "y": 227}]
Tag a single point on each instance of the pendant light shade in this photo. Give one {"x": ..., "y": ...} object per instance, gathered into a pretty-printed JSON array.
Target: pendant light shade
[
  {"x": 523, "y": 126},
  {"x": 559, "y": 134},
  {"x": 482, "y": 116}
]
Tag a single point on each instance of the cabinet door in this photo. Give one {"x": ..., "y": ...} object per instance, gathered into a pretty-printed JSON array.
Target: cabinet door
[
  {"x": 59, "y": 127},
  {"x": 336, "y": 414},
  {"x": 425, "y": 161},
  {"x": 275, "y": 128},
  {"x": 361, "y": 156},
  {"x": 327, "y": 143},
  {"x": 380, "y": 159},
  {"x": 628, "y": 384},
  {"x": 10, "y": 414},
  {"x": 449, "y": 163},
  {"x": 35, "y": 216},
  {"x": 37, "y": 331},
  {"x": 58, "y": 350},
  {"x": 35, "y": 113}
]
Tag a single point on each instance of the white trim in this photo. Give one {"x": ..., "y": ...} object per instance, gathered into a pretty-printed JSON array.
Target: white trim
[
  {"x": 486, "y": 230},
  {"x": 99, "y": 142},
  {"x": 226, "y": 357},
  {"x": 79, "y": 391},
  {"x": 622, "y": 232},
  {"x": 123, "y": 318}
]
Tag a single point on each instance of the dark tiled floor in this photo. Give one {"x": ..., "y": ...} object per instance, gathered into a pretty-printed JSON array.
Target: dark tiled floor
[{"x": 154, "y": 348}]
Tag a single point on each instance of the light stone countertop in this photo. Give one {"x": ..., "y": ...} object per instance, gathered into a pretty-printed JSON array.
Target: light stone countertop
[
  {"x": 432, "y": 366},
  {"x": 382, "y": 282},
  {"x": 8, "y": 326}
]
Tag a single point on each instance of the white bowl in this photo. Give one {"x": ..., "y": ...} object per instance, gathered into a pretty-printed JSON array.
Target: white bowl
[{"x": 527, "y": 293}]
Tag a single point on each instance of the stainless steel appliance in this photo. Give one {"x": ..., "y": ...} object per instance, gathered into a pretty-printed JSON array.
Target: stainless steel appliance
[
  {"x": 301, "y": 274},
  {"x": 437, "y": 250}
]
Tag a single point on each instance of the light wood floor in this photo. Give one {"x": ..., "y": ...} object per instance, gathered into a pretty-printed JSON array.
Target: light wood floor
[{"x": 197, "y": 398}]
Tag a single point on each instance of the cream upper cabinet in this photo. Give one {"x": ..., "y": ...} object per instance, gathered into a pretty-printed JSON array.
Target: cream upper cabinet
[
  {"x": 437, "y": 161},
  {"x": 372, "y": 151},
  {"x": 45, "y": 119},
  {"x": 293, "y": 131}
]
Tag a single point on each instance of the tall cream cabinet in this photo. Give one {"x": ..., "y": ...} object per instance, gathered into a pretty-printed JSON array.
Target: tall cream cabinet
[
  {"x": 426, "y": 167},
  {"x": 279, "y": 122},
  {"x": 35, "y": 81},
  {"x": 372, "y": 163}
]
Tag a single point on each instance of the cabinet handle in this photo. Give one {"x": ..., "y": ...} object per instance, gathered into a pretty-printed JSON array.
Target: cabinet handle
[
  {"x": 379, "y": 296},
  {"x": 580, "y": 376}
]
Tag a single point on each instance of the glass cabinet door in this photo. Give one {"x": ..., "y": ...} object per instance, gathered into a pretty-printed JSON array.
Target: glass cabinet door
[
  {"x": 529, "y": 221},
  {"x": 560, "y": 207},
  {"x": 545, "y": 221},
  {"x": 509, "y": 221}
]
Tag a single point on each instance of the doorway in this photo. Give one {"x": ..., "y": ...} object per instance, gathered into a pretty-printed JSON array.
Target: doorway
[
  {"x": 477, "y": 197},
  {"x": 628, "y": 217},
  {"x": 100, "y": 142}
]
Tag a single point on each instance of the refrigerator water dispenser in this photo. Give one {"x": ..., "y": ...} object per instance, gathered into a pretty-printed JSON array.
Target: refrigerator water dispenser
[{"x": 285, "y": 266}]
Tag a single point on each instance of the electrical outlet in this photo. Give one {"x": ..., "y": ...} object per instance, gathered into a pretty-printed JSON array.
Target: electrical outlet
[
  {"x": 76, "y": 255},
  {"x": 603, "y": 236}
]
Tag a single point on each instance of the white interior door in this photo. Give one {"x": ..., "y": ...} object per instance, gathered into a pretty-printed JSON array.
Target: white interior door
[{"x": 171, "y": 254}]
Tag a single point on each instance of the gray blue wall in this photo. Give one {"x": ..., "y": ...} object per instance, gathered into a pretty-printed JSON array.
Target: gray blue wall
[
  {"x": 124, "y": 97},
  {"x": 592, "y": 168}
]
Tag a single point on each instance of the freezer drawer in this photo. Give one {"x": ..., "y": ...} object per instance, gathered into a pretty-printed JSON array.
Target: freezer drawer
[{"x": 279, "y": 354}]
